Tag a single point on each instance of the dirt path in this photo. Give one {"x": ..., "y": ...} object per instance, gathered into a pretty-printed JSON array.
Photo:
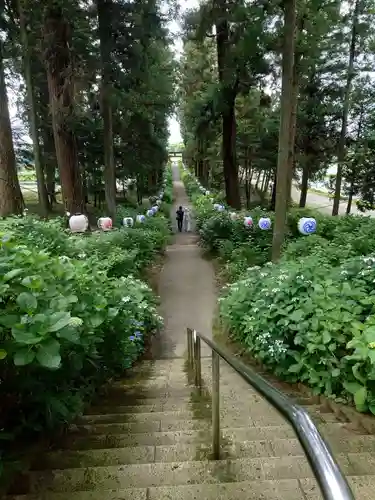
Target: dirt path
[{"x": 186, "y": 287}]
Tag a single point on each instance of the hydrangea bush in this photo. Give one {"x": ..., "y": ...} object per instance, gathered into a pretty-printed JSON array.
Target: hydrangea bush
[
  {"x": 311, "y": 317},
  {"x": 73, "y": 313}
]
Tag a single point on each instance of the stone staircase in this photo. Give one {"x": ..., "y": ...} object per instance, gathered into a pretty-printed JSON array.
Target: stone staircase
[{"x": 148, "y": 438}]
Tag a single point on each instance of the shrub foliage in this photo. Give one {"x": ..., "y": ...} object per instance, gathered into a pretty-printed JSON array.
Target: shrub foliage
[{"x": 311, "y": 317}]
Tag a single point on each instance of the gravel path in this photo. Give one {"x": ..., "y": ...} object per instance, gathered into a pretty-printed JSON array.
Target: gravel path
[{"x": 186, "y": 287}]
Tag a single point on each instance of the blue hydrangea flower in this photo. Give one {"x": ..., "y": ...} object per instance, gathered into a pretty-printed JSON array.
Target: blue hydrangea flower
[{"x": 132, "y": 338}]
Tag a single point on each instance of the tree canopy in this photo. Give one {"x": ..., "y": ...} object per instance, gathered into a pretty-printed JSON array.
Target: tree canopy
[{"x": 96, "y": 89}]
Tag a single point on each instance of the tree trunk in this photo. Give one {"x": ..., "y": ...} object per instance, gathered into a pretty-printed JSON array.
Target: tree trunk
[
  {"x": 294, "y": 105},
  {"x": 350, "y": 199},
  {"x": 60, "y": 87},
  {"x": 268, "y": 178},
  {"x": 104, "y": 19},
  {"x": 263, "y": 182},
  {"x": 11, "y": 201},
  {"x": 304, "y": 186},
  {"x": 273, "y": 194},
  {"x": 39, "y": 170},
  {"x": 258, "y": 179},
  {"x": 229, "y": 92},
  {"x": 47, "y": 145},
  {"x": 292, "y": 131},
  {"x": 341, "y": 153},
  {"x": 285, "y": 124}
]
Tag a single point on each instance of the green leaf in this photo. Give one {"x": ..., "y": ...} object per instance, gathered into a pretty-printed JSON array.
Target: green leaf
[
  {"x": 296, "y": 316},
  {"x": 25, "y": 336},
  {"x": 3, "y": 354},
  {"x": 12, "y": 274},
  {"x": 48, "y": 354},
  {"x": 326, "y": 337},
  {"x": 360, "y": 398},
  {"x": 371, "y": 355},
  {"x": 369, "y": 334},
  {"x": 69, "y": 334},
  {"x": 96, "y": 320},
  {"x": 352, "y": 387},
  {"x": 295, "y": 368},
  {"x": 9, "y": 320},
  {"x": 27, "y": 302},
  {"x": 24, "y": 357},
  {"x": 59, "y": 320},
  {"x": 335, "y": 372}
]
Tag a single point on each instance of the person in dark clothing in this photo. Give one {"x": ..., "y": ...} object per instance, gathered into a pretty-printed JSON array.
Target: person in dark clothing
[{"x": 179, "y": 218}]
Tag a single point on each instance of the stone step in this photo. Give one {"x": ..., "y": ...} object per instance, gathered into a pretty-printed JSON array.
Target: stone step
[
  {"x": 102, "y": 441},
  {"x": 169, "y": 474},
  {"x": 112, "y": 418},
  {"x": 172, "y": 424},
  {"x": 290, "y": 489},
  {"x": 123, "y": 395},
  {"x": 148, "y": 405},
  {"x": 188, "y": 452}
]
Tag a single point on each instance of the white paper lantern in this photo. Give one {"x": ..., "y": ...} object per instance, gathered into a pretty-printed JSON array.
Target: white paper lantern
[
  {"x": 150, "y": 213},
  {"x": 105, "y": 223},
  {"x": 307, "y": 225},
  {"x": 233, "y": 215},
  {"x": 248, "y": 221},
  {"x": 140, "y": 218},
  {"x": 78, "y": 223},
  {"x": 265, "y": 223},
  {"x": 128, "y": 221}
]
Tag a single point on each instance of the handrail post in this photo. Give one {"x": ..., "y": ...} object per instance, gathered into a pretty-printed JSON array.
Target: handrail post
[
  {"x": 197, "y": 361},
  {"x": 215, "y": 405},
  {"x": 190, "y": 346}
]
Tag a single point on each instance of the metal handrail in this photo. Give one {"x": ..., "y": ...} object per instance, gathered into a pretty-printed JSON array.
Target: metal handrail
[{"x": 331, "y": 480}]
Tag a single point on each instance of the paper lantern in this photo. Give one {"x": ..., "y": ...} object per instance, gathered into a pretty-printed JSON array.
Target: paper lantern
[
  {"x": 128, "y": 221},
  {"x": 233, "y": 215},
  {"x": 150, "y": 213},
  {"x": 248, "y": 221},
  {"x": 105, "y": 223},
  {"x": 264, "y": 223},
  {"x": 307, "y": 225},
  {"x": 78, "y": 223},
  {"x": 140, "y": 218},
  {"x": 219, "y": 207}
]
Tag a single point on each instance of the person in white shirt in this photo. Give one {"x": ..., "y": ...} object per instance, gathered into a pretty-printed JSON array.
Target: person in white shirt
[{"x": 187, "y": 220}]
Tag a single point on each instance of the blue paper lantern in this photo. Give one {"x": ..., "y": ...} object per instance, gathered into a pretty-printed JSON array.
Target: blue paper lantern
[
  {"x": 307, "y": 225},
  {"x": 265, "y": 223}
]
